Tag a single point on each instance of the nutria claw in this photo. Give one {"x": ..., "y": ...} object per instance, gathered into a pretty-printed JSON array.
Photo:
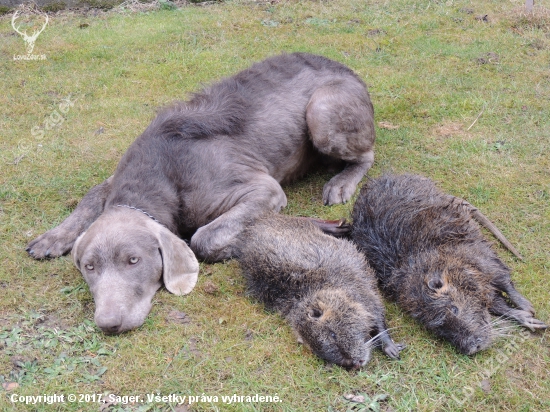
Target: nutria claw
[
  {"x": 336, "y": 228},
  {"x": 393, "y": 349},
  {"x": 526, "y": 319}
]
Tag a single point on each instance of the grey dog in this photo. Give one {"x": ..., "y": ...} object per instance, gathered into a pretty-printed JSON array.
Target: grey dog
[{"x": 202, "y": 169}]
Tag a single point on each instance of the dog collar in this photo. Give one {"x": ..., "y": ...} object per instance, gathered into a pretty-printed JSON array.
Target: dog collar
[{"x": 142, "y": 211}]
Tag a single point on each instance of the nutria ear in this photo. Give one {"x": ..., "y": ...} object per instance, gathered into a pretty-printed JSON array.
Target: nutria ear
[
  {"x": 435, "y": 284},
  {"x": 315, "y": 313}
]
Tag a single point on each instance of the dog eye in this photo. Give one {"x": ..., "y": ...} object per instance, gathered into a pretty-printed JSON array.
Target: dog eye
[
  {"x": 333, "y": 335},
  {"x": 454, "y": 309},
  {"x": 89, "y": 267},
  {"x": 133, "y": 260}
]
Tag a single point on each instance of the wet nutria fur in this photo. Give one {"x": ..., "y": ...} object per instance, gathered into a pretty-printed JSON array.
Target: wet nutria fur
[
  {"x": 430, "y": 256},
  {"x": 322, "y": 285}
]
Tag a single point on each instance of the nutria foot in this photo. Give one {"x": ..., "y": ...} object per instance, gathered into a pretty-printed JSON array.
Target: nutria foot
[
  {"x": 336, "y": 228},
  {"x": 526, "y": 319},
  {"x": 393, "y": 350}
]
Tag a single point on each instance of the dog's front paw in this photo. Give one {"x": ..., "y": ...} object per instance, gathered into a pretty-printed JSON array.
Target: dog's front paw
[
  {"x": 53, "y": 243},
  {"x": 337, "y": 191}
]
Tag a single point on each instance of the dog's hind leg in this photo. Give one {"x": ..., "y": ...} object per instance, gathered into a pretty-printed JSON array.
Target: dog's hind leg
[
  {"x": 217, "y": 241},
  {"x": 60, "y": 240},
  {"x": 340, "y": 118},
  {"x": 341, "y": 187}
]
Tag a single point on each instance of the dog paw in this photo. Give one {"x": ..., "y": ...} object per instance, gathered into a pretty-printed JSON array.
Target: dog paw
[
  {"x": 337, "y": 191},
  {"x": 54, "y": 243}
]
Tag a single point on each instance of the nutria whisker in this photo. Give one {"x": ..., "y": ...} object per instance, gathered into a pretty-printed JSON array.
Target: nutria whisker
[
  {"x": 502, "y": 335},
  {"x": 504, "y": 323},
  {"x": 498, "y": 321},
  {"x": 506, "y": 328},
  {"x": 379, "y": 340},
  {"x": 501, "y": 320}
]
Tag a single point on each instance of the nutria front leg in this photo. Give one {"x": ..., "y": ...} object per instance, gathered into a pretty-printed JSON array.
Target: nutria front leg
[
  {"x": 389, "y": 347},
  {"x": 517, "y": 298},
  {"x": 524, "y": 317}
]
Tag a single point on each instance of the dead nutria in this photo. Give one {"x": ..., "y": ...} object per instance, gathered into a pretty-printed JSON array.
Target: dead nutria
[
  {"x": 322, "y": 285},
  {"x": 431, "y": 257}
]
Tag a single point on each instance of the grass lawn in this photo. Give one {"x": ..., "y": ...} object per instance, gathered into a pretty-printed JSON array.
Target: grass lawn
[{"x": 461, "y": 91}]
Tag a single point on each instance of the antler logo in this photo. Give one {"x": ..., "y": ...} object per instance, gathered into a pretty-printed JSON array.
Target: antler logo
[{"x": 37, "y": 22}]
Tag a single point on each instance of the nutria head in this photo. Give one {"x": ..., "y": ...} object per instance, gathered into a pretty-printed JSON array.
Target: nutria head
[
  {"x": 335, "y": 327},
  {"x": 447, "y": 296}
]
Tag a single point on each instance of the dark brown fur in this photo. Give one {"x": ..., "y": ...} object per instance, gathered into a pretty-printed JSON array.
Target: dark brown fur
[
  {"x": 322, "y": 285},
  {"x": 430, "y": 256}
]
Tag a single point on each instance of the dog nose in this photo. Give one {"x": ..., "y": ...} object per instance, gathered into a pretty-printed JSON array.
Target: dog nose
[
  {"x": 110, "y": 324},
  {"x": 110, "y": 330}
]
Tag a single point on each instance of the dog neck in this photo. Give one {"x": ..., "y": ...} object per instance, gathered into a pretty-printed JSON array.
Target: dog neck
[{"x": 142, "y": 211}]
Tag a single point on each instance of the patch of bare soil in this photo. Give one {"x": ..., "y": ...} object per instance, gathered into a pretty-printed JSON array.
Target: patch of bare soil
[{"x": 450, "y": 129}]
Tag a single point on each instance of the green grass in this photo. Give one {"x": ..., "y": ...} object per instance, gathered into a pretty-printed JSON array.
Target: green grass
[{"x": 431, "y": 68}]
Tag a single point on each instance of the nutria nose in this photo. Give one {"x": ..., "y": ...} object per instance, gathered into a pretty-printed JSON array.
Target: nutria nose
[
  {"x": 475, "y": 345},
  {"x": 479, "y": 341},
  {"x": 349, "y": 363}
]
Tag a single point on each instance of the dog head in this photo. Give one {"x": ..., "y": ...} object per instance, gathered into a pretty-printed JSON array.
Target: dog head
[{"x": 124, "y": 257}]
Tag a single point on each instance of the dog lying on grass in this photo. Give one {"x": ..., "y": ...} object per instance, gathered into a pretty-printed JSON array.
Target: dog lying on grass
[{"x": 202, "y": 169}]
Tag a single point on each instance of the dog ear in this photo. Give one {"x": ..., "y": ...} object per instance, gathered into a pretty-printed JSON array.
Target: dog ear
[
  {"x": 74, "y": 251},
  {"x": 180, "y": 266}
]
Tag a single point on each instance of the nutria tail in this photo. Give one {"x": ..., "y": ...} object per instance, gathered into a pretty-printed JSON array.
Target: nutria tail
[{"x": 485, "y": 222}]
